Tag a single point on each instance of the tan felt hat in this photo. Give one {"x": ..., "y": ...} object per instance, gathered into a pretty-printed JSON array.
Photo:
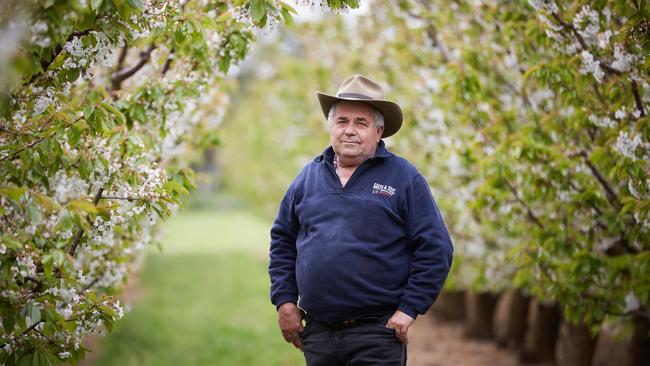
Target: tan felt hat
[{"x": 363, "y": 89}]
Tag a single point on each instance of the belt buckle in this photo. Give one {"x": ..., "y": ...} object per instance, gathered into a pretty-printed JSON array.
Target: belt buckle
[{"x": 343, "y": 324}]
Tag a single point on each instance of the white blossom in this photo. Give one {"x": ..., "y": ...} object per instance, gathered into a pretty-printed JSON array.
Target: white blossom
[
  {"x": 604, "y": 122},
  {"x": 632, "y": 303},
  {"x": 622, "y": 60},
  {"x": 591, "y": 66},
  {"x": 548, "y": 5},
  {"x": 26, "y": 266},
  {"x": 633, "y": 191},
  {"x": 67, "y": 188},
  {"x": 510, "y": 60},
  {"x": 39, "y": 34},
  {"x": 627, "y": 145},
  {"x": 587, "y": 24},
  {"x": 603, "y": 38},
  {"x": 436, "y": 115},
  {"x": 74, "y": 47}
]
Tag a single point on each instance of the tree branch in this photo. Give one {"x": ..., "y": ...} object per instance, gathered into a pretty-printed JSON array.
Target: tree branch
[
  {"x": 609, "y": 191},
  {"x": 120, "y": 198},
  {"x": 36, "y": 142},
  {"x": 38, "y": 283},
  {"x": 598, "y": 94},
  {"x": 583, "y": 44},
  {"x": 80, "y": 231},
  {"x": 120, "y": 76},
  {"x": 529, "y": 212},
  {"x": 91, "y": 284},
  {"x": 637, "y": 98},
  {"x": 168, "y": 63},
  {"x": 433, "y": 35},
  {"x": 122, "y": 57}
]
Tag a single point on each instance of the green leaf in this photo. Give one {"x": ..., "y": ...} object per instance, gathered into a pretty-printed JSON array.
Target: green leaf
[
  {"x": 114, "y": 111},
  {"x": 286, "y": 14},
  {"x": 224, "y": 63},
  {"x": 58, "y": 61},
  {"x": 258, "y": 10},
  {"x": 85, "y": 168},
  {"x": 95, "y": 4},
  {"x": 58, "y": 257},
  {"x": 172, "y": 185},
  {"x": 34, "y": 212},
  {"x": 86, "y": 21},
  {"x": 35, "y": 313},
  {"x": 81, "y": 205},
  {"x": 11, "y": 243},
  {"x": 13, "y": 192},
  {"x": 124, "y": 9},
  {"x": 137, "y": 4}
]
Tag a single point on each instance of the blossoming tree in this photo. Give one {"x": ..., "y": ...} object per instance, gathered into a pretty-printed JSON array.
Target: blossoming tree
[{"x": 103, "y": 105}]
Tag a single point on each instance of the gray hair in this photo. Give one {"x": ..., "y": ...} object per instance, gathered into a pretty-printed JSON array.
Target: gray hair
[{"x": 379, "y": 118}]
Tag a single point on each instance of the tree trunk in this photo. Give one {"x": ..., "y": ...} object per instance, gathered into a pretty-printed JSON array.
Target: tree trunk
[
  {"x": 514, "y": 328},
  {"x": 479, "y": 315},
  {"x": 450, "y": 306},
  {"x": 577, "y": 345},
  {"x": 542, "y": 336},
  {"x": 639, "y": 351}
]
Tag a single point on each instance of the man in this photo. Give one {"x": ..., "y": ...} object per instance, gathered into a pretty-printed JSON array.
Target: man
[{"x": 358, "y": 242}]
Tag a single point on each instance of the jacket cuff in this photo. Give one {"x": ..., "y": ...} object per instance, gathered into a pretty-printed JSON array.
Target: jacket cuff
[
  {"x": 283, "y": 299},
  {"x": 408, "y": 311}
]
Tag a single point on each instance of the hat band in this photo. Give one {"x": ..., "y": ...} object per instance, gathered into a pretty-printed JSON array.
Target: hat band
[{"x": 354, "y": 95}]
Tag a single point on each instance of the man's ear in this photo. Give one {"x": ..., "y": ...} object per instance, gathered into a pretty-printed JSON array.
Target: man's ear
[{"x": 381, "y": 132}]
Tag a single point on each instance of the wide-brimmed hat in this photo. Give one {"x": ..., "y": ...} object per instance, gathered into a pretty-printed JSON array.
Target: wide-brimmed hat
[{"x": 359, "y": 88}]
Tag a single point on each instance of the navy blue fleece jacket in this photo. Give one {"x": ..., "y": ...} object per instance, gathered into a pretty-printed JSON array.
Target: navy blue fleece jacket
[{"x": 376, "y": 245}]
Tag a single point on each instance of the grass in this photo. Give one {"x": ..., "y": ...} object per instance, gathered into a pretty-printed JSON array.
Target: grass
[{"x": 204, "y": 299}]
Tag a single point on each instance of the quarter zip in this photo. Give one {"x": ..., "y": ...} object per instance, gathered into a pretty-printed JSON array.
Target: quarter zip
[{"x": 352, "y": 177}]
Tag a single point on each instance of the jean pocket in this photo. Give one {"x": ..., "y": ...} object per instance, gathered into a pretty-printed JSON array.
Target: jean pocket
[{"x": 386, "y": 330}]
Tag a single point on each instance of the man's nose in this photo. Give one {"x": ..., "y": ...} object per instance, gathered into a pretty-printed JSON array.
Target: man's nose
[{"x": 350, "y": 130}]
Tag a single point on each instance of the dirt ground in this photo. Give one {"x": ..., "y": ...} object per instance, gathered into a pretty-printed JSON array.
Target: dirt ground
[{"x": 436, "y": 343}]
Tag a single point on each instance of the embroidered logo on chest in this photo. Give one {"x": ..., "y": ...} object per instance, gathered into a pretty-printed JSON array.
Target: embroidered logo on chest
[{"x": 383, "y": 189}]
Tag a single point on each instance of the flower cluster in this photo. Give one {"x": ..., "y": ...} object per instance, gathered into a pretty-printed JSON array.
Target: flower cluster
[
  {"x": 590, "y": 65},
  {"x": 628, "y": 143},
  {"x": 84, "y": 52}
]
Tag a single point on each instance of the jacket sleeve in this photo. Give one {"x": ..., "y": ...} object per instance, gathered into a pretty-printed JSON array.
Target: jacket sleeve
[
  {"x": 282, "y": 264},
  {"x": 431, "y": 246}
]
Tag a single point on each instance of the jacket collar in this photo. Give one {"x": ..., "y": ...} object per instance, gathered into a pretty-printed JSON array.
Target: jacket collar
[{"x": 380, "y": 153}]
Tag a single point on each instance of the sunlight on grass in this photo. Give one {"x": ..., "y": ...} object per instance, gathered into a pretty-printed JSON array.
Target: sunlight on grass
[
  {"x": 204, "y": 300},
  {"x": 215, "y": 232}
]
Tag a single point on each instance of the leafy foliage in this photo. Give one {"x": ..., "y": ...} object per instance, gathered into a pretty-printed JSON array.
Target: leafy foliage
[{"x": 104, "y": 104}]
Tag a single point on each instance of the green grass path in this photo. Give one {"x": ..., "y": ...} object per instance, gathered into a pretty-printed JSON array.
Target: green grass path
[{"x": 204, "y": 299}]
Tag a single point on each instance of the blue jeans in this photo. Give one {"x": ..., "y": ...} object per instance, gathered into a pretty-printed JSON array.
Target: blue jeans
[{"x": 365, "y": 344}]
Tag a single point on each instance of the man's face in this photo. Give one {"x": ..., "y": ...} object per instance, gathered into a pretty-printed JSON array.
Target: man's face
[{"x": 353, "y": 134}]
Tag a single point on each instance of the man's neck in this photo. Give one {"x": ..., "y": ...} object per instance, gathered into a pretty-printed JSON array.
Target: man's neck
[{"x": 351, "y": 163}]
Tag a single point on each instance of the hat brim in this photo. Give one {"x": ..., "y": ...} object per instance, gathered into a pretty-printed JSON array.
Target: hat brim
[{"x": 391, "y": 111}]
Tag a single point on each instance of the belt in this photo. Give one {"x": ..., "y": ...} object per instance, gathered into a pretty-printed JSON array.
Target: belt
[{"x": 345, "y": 324}]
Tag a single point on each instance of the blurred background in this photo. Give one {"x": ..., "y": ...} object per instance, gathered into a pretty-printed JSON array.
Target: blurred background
[{"x": 527, "y": 118}]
